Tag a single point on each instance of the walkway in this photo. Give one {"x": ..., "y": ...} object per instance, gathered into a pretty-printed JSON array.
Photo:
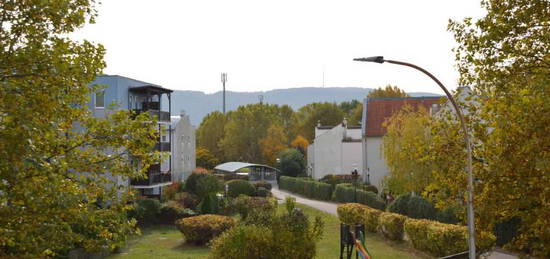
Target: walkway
[{"x": 328, "y": 207}]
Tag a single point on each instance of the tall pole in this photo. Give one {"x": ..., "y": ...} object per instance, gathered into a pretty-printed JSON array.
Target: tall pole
[
  {"x": 471, "y": 228},
  {"x": 224, "y": 79}
]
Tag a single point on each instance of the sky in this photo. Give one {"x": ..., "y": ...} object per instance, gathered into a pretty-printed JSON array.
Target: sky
[{"x": 264, "y": 45}]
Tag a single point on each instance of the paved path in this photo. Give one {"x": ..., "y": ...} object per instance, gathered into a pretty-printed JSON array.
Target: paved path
[{"x": 328, "y": 207}]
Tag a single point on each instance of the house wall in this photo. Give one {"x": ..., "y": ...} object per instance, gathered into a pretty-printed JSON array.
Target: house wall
[
  {"x": 310, "y": 156},
  {"x": 376, "y": 164},
  {"x": 352, "y": 157},
  {"x": 183, "y": 147}
]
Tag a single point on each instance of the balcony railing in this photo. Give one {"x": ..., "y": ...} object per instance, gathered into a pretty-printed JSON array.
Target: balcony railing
[
  {"x": 163, "y": 146},
  {"x": 154, "y": 176},
  {"x": 150, "y": 106},
  {"x": 160, "y": 115}
]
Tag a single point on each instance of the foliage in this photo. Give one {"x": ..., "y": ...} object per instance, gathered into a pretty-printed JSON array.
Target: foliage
[
  {"x": 246, "y": 205},
  {"x": 443, "y": 239},
  {"x": 209, "y": 204},
  {"x": 391, "y": 225},
  {"x": 334, "y": 179},
  {"x": 291, "y": 163},
  {"x": 232, "y": 176},
  {"x": 387, "y": 92},
  {"x": 356, "y": 115},
  {"x": 300, "y": 143},
  {"x": 188, "y": 200},
  {"x": 205, "y": 158},
  {"x": 263, "y": 184},
  {"x": 262, "y": 192},
  {"x": 347, "y": 193},
  {"x": 369, "y": 188},
  {"x": 307, "y": 187},
  {"x": 240, "y": 187},
  {"x": 47, "y": 135},
  {"x": 172, "y": 211},
  {"x": 145, "y": 211},
  {"x": 505, "y": 56},
  {"x": 273, "y": 143},
  {"x": 416, "y": 207},
  {"x": 201, "y": 229},
  {"x": 309, "y": 115},
  {"x": 290, "y": 235},
  {"x": 191, "y": 184},
  {"x": 407, "y": 152},
  {"x": 206, "y": 185},
  {"x": 209, "y": 135},
  {"x": 355, "y": 213},
  {"x": 169, "y": 191}
]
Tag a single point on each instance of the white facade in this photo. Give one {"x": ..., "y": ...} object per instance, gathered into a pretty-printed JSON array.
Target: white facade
[
  {"x": 376, "y": 168},
  {"x": 337, "y": 150},
  {"x": 183, "y": 148}
]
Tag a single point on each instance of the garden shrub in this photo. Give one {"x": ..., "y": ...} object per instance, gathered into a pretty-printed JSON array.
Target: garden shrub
[
  {"x": 238, "y": 187},
  {"x": 347, "y": 193},
  {"x": 192, "y": 180},
  {"x": 244, "y": 242},
  {"x": 307, "y": 187},
  {"x": 172, "y": 211},
  {"x": 169, "y": 191},
  {"x": 441, "y": 239},
  {"x": 262, "y": 192},
  {"x": 263, "y": 184},
  {"x": 146, "y": 211},
  {"x": 355, "y": 213},
  {"x": 209, "y": 204},
  {"x": 246, "y": 206},
  {"x": 201, "y": 229},
  {"x": 370, "y": 188},
  {"x": 371, "y": 219},
  {"x": 188, "y": 200},
  {"x": 391, "y": 225},
  {"x": 207, "y": 185},
  {"x": 414, "y": 206}
]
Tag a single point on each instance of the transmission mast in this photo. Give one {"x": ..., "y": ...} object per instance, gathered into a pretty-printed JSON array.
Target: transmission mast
[{"x": 224, "y": 79}]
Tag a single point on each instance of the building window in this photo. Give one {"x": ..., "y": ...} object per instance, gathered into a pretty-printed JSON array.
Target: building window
[{"x": 100, "y": 99}]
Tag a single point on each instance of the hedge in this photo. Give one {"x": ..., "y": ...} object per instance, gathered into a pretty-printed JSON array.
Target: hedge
[
  {"x": 307, "y": 187},
  {"x": 436, "y": 238},
  {"x": 347, "y": 193},
  {"x": 201, "y": 229}
]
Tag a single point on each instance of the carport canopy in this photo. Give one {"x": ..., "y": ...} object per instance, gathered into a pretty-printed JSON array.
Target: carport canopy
[{"x": 257, "y": 171}]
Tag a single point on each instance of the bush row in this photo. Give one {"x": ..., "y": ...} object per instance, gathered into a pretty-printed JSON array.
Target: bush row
[
  {"x": 416, "y": 207},
  {"x": 433, "y": 237},
  {"x": 151, "y": 211},
  {"x": 307, "y": 187},
  {"x": 347, "y": 193}
]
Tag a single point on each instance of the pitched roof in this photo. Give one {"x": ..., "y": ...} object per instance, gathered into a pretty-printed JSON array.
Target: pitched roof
[{"x": 377, "y": 110}]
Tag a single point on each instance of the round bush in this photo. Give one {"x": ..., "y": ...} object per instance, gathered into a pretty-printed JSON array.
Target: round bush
[
  {"x": 172, "y": 211},
  {"x": 263, "y": 184},
  {"x": 201, "y": 229},
  {"x": 192, "y": 182},
  {"x": 188, "y": 200},
  {"x": 244, "y": 241},
  {"x": 238, "y": 187},
  {"x": 246, "y": 205}
]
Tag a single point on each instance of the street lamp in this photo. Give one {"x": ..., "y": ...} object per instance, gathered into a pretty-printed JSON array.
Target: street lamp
[{"x": 471, "y": 230}]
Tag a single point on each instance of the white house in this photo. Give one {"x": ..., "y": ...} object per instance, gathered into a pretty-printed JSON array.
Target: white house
[
  {"x": 183, "y": 147},
  {"x": 375, "y": 112},
  {"x": 335, "y": 150}
]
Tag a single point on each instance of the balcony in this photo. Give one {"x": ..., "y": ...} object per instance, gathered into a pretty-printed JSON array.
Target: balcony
[
  {"x": 160, "y": 115},
  {"x": 154, "y": 176},
  {"x": 163, "y": 146}
]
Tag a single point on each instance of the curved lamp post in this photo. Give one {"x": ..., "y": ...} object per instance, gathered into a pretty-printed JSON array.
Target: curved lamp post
[{"x": 471, "y": 230}]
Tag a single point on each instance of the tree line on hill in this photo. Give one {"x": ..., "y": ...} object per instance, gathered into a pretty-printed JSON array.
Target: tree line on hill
[{"x": 258, "y": 133}]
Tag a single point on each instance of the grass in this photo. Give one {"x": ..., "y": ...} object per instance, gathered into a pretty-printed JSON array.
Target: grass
[{"x": 168, "y": 242}]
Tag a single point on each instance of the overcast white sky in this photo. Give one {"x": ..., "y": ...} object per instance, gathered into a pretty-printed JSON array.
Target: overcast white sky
[{"x": 265, "y": 45}]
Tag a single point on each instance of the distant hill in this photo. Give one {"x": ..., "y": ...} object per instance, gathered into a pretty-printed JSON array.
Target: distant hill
[{"x": 198, "y": 104}]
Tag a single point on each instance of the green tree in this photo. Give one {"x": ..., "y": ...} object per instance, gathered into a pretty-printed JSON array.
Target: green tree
[
  {"x": 356, "y": 115},
  {"x": 406, "y": 147},
  {"x": 292, "y": 162},
  {"x": 388, "y": 91},
  {"x": 57, "y": 163},
  {"x": 205, "y": 159},
  {"x": 210, "y": 132},
  {"x": 505, "y": 55},
  {"x": 328, "y": 114},
  {"x": 273, "y": 143}
]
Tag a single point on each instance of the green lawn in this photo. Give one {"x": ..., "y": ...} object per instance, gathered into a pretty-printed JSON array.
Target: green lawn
[{"x": 168, "y": 242}]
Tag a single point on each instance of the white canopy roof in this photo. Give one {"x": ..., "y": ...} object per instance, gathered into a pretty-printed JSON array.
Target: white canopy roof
[{"x": 236, "y": 166}]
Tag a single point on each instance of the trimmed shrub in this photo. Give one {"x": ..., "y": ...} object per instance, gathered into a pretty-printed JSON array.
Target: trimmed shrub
[
  {"x": 307, "y": 187},
  {"x": 207, "y": 185},
  {"x": 418, "y": 208},
  {"x": 441, "y": 239},
  {"x": 201, "y": 229},
  {"x": 263, "y": 184},
  {"x": 263, "y": 192},
  {"x": 188, "y": 200},
  {"x": 238, "y": 187},
  {"x": 354, "y": 213},
  {"x": 370, "y": 188},
  {"x": 146, "y": 211},
  {"x": 209, "y": 204},
  {"x": 192, "y": 181},
  {"x": 244, "y": 242},
  {"x": 347, "y": 193},
  {"x": 172, "y": 211},
  {"x": 391, "y": 225}
]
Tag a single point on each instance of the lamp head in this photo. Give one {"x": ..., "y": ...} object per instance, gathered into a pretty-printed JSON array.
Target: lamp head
[{"x": 375, "y": 59}]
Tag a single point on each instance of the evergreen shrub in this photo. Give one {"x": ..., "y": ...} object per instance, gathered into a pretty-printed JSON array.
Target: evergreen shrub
[
  {"x": 238, "y": 187},
  {"x": 307, "y": 187},
  {"x": 347, "y": 193}
]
